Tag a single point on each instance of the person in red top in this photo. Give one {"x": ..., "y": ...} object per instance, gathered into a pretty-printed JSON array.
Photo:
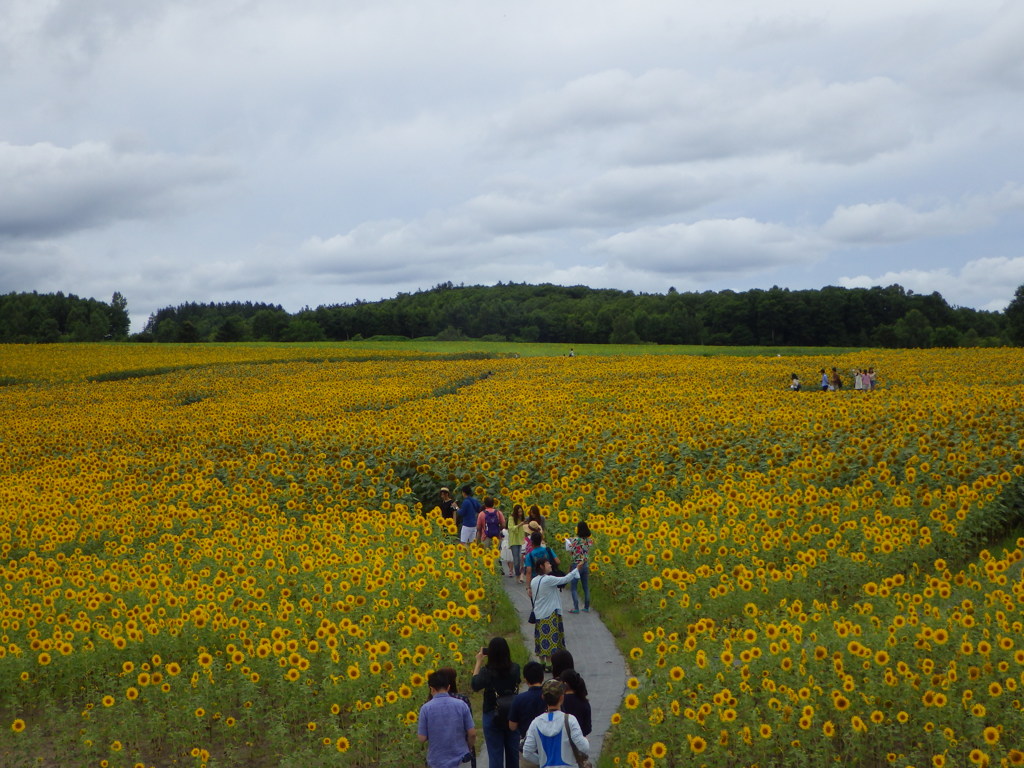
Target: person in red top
[{"x": 489, "y": 523}]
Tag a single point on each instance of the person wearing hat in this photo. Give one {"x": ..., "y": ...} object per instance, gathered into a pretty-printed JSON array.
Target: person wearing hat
[
  {"x": 448, "y": 505},
  {"x": 530, "y": 527},
  {"x": 554, "y": 737}
]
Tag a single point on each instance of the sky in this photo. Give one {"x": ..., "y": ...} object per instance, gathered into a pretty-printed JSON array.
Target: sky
[{"x": 315, "y": 152}]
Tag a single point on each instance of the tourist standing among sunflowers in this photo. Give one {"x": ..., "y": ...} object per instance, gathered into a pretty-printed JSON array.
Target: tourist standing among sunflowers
[
  {"x": 517, "y": 538},
  {"x": 579, "y": 548},
  {"x": 467, "y": 515}
]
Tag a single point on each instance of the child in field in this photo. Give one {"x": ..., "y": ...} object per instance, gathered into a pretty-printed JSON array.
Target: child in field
[{"x": 507, "y": 561}]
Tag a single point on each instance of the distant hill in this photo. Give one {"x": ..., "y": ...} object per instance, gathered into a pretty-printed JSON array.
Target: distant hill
[{"x": 832, "y": 316}]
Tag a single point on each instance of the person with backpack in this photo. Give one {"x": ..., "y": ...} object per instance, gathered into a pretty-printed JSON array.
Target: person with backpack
[
  {"x": 539, "y": 551},
  {"x": 498, "y": 677},
  {"x": 489, "y": 523},
  {"x": 467, "y": 515}
]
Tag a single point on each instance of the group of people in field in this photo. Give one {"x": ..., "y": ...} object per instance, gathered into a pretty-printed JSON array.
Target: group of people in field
[
  {"x": 546, "y": 724},
  {"x": 832, "y": 381}
]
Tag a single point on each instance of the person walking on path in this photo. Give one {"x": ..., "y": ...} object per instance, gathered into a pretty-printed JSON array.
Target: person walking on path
[
  {"x": 554, "y": 738},
  {"x": 498, "y": 677},
  {"x": 489, "y": 523},
  {"x": 561, "y": 660},
  {"x": 575, "y": 702},
  {"x": 539, "y": 551},
  {"x": 596, "y": 658},
  {"x": 446, "y": 725},
  {"x": 549, "y": 631},
  {"x": 517, "y": 538},
  {"x": 453, "y": 686},
  {"x": 529, "y": 703},
  {"x": 579, "y": 548},
  {"x": 467, "y": 516}
]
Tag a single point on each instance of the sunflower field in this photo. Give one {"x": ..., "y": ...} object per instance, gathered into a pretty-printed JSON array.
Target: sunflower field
[{"x": 230, "y": 555}]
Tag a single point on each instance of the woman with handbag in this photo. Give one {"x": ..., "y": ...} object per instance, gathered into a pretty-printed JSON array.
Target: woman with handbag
[
  {"x": 555, "y": 738},
  {"x": 548, "y": 631},
  {"x": 498, "y": 677}
]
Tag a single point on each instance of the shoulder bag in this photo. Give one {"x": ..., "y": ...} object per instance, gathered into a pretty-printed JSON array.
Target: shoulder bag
[{"x": 582, "y": 759}]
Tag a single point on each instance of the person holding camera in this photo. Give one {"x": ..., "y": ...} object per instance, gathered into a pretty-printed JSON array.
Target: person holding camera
[
  {"x": 446, "y": 725},
  {"x": 498, "y": 677}
]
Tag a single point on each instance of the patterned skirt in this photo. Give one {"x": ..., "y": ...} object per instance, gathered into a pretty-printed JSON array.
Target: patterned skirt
[{"x": 548, "y": 635}]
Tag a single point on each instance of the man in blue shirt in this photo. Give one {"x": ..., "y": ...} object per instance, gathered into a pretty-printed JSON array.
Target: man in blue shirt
[
  {"x": 446, "y": 725},
  {"x": 467, "y": 516},
  {"x": 528, "y": 704}
]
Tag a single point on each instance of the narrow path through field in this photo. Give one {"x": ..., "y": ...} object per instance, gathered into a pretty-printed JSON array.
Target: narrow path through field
[{"x": 597, "y": 659}]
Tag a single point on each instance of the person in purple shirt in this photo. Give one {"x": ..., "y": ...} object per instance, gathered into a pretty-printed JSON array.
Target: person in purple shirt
[{"x": 446, "y": 725}]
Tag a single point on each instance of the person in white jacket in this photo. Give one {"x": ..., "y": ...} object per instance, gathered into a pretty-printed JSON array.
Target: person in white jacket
[{"x": 548, "y": 739}]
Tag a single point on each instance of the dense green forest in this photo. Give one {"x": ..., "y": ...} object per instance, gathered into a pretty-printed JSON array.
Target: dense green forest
[
  {"x": 830, "y": 317},
  {"x": 53, "y": 317}
]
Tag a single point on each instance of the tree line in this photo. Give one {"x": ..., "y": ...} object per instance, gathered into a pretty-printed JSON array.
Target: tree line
[
  {"x": 832, "y": 317},
  {"x": 27, "y": 318},
  {"x": 881, "y": 317}
]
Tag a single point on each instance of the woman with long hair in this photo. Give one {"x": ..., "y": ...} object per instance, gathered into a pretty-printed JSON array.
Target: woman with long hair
[
  {"x": 575, "y": 702},
  {"x": 536, "y": 517},
  {"x": 498, "y": 677},
  {"x": 516, "y": 538},
  {"x": 579, "y": 547}
]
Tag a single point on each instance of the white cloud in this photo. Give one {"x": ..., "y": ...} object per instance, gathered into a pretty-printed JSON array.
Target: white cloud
[
  {"x": 319, "y": 151},
  {"x": 50, "y": 190},
  {"x": 987, "y": 283},
  {"x": 893, "y": 222},
  {"x": 712, "y": 248},
  {"x": 383, "y": 251}
]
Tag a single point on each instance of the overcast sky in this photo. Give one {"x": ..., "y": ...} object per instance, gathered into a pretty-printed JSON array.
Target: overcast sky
[{"x": 318, "y": 151}]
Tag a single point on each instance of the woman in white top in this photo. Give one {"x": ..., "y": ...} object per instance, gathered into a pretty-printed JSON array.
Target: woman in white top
[
  {"x": 553, "y": 735},
  {"x": 548, "y": 631}
]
